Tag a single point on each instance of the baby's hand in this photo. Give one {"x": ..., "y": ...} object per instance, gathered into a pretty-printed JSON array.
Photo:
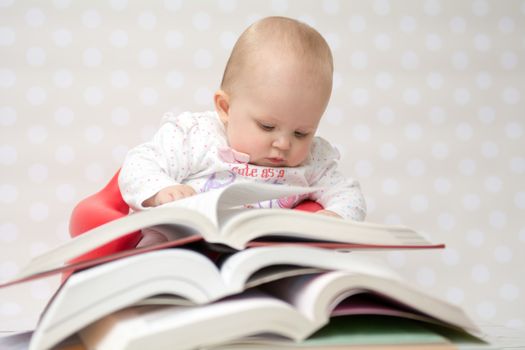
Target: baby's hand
[
  {"x": 169, "y": 194},
  {"x": 328, "y": 213}
]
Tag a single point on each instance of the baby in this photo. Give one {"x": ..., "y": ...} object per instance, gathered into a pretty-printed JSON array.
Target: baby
[{"x": 275, "y": 88}]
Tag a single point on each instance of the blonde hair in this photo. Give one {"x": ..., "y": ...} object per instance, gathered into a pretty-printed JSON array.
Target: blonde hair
[{"x": 285, "y": 36}]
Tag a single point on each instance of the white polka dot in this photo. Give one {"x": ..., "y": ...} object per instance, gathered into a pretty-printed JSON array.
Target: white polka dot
[
  {"x": 310, "y": 20},
  {"x": 337, "y": 80},
  {"x": 426, "y": 276},
  {"x": 148, "y": 58},
  {"x": 7, "y": 78},
  {"x": 202, "y": 59},
  {"x": 383, "y": 41},
  {"x": 433, "y": 42},
  {"x": 147, "y": 132},
  {"x": 61, "y": 4},
  {"x": 446, "y": 221},
  {"x": 416, "y": 167},
  {"x": 66, "y": 193},
  {"x": 503, "y": 254},
  {"x": 149, "y": 96},
  {"x": 390, "y": 186},
  {"x": 462, "y": 96},
  {"x": 515, "y": 323},
  {"x": 38, "y": 248},
  {"x": 482, "y": 42},
  {"x": 475, "y": 237},
  {"x": 65, "y": 154},
  {"x": 41, "y": 290},
  {"x": 384, "y": 80},
  {"x": 413, "y": 131},
  {"x": 8, "y": 193},
  {"x": 480, "y": 273},
  {"x": 471, "y": 202},
  {"x": 517, "y": 165},
  {"x": 442, "y": 185},
  {"x": 334, "y": 116},
  {"x": 437, "y": 115},
  {"x": 457, "y": 24},
  {"x": 489, "y": 149},
  {"x": 334, "y": 41},
  {"x": 36, "y": 56},
  {"x": 467, "y": 167},
  {"x": 464, "y": 131},
  {"x": 480, "y": 7},
  {"x": 38, "y": 211},
  {"x": 435, "y": 80},
  {"x": 62, "y": 37},
  {"x": 522, "y": 235},
  {"x": 38, "y": 172},
  {"x": 8, "y": 155},
  {"x": 173, "y": 5},
  {"x": 509, "y": 292},
  {"x": 411, "y": 96},
  {"x": 120, "y": 116},
  {"x": 460, "y": 60},
  {"x": 6, "y": 3},
  {"x": 10, "y": 309},
  {"x": 432, "y": 7},
  {"x": 508, "y": 60},
  {"x": 8, "y": 232},
  {"x": 455, "y": 295},
  {"x": 175, "y": 79},
  {"x": 364, "y": 168},
  {"x": 419, "y": 203},
  {"x": 119, "y": 38},
  {"x": 118, "y": 153},
  {"x": 91, "y": 19},
  {"x": 486, "y": 310},
  {"x": 7, "y": 36},
  {"x": 513, "y": 130},
  {"x": 506, "y": 25},
  {"x": 440, "y": 150},
  {"x": 393, "y": 219},
  {"x": 35, "y": 17},
  {"x": 331, "y": 6},
  {"x": 93, "y": 95},
  {"x": 396, "y": 259},
  {"x": 498, "y": 219},
  {"x": 201, "y": 21},
  {"x": 227, "y": 40},
  {"x": 486, "y": 114},
  {"x": 483, "y": 80},
  {"x": 519, "y": 200},
  {"x": 174, "y": 39},
  {"x": 360, "y": 96},
  {"x": 386, "y": 115},
  {"x": 228, "y": 5},
  {"x": 381, "y": 7},
  {"x": 92, "y": 57},
  {"x": 94, "y": 134},
  {"x": 388, "y": 151},
  {"x": 493, "y": 184},
  {"x": 95, "y": 172},
  {"x": 37, "y": 134},
  {"x": 119, "y": 79},
  {"x": 450, "y": 256},
  {"x": 119, "y": 5},
  {"x": 357, "y": 23},
  {"x": 8, "y": 270},
  {"x": 361, "y": 132},
  {"x": 408, "y": 24},
  {"x": 63, "y": 78},
  {"x": 147, "y": 21},
  {"x": 409, "y": 60},
  {"x": 203, "y": 96},
  {"x": 64, "y": 116},
  {"x": 7, "y": 116},
  {"x": 62, "y": 231},
  {"x": 279, "y": 6}
]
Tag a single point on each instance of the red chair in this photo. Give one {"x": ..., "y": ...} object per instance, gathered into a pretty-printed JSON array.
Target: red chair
[{"x": 108, "y": 205}]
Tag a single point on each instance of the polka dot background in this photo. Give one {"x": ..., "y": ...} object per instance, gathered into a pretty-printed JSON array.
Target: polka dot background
[{"x": 427, "y": 111}]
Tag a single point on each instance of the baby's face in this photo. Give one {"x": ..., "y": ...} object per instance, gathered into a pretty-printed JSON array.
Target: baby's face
[{"x": 274, "y": 117}]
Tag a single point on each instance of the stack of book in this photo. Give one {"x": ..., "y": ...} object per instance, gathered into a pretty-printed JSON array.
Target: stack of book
[{"x": 216, "y": 275}]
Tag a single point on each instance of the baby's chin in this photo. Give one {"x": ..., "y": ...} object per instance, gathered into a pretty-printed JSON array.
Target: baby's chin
[{"x": 275, "y": 163}]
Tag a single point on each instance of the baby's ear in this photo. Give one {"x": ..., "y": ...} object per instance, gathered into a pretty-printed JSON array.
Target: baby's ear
[{"x": 222, "y": 105}]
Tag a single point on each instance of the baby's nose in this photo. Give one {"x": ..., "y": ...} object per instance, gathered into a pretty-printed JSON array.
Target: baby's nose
[{"x": 282, "y": 142}]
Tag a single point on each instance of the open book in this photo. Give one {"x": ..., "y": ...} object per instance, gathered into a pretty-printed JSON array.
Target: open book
[
  {"x": 293, "y": 314},
  {"x": 219, "y": 216},
  {"x": 179, "y": 279}
]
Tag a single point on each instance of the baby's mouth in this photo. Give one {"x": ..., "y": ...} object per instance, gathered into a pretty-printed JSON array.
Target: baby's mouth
[{"x": 276, "y": 160}]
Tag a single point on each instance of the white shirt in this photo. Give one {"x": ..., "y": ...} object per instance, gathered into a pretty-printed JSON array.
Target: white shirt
[{"x": 192, "y": 149}]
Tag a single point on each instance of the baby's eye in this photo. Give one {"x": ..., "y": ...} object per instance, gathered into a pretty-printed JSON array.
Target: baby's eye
[
  {"x": 300, "y": 135},
  {"x": 266, "y": 127}
]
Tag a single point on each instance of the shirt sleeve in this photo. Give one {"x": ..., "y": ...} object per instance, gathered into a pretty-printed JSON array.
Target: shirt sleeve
[
  {"x": 162, "y": 162},
  {"x": 337, "y": 193}
]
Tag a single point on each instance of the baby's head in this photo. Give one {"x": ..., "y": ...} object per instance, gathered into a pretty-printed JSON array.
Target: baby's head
[{"x": 275, "y": 88}]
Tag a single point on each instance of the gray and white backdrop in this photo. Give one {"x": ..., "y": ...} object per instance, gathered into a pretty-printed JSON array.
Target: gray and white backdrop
[{"x": 427, "y": 111}]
